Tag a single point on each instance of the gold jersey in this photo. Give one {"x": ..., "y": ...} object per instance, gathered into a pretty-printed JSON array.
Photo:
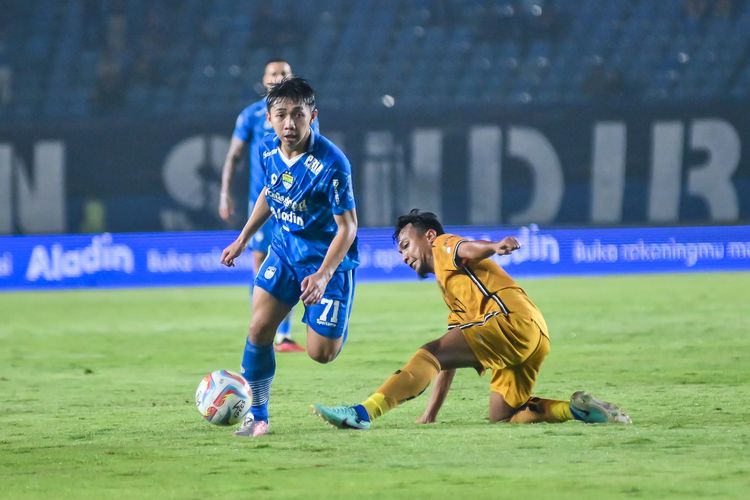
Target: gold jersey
[
  {"x": 475, "y": 291},
  {"x": 502, "y": 326}
]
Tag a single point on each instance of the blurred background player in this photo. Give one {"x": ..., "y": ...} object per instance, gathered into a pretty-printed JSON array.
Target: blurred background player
[
  {"x": 313, "y": 253},
  {"x": 493, "y": 325},
  {"x": 250, "y": 128}
]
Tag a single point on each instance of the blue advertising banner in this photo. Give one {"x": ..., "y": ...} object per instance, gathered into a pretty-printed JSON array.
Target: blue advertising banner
[{"x": 186, "y": 259}]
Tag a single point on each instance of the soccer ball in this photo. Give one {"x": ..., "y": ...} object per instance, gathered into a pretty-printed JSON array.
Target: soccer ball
[{"x": 223, "y": 397}]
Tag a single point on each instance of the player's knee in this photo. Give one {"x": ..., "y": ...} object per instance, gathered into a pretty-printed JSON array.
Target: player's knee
[
  {"x": 501, "y": 415},
  {"x": 500, "y": 410},
  {"x": 324, "y": 355},
  {"x": 494, "y": 419},
  {"x": 322, "y": 349},
  {"x": 432, "y": 347},
  {"x": 260, "y": 334}
]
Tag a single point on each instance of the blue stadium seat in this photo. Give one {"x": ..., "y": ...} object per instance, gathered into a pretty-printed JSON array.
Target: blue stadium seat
[{"x": 418, "y": 48}]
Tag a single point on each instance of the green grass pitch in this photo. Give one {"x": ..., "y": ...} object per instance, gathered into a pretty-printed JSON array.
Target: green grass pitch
[{"x": 97, "y": 398}]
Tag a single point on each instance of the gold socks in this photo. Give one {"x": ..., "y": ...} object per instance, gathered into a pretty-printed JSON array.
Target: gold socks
[
  {"x": 407, "y": 383},
  {"x": 543, "y": 410}
]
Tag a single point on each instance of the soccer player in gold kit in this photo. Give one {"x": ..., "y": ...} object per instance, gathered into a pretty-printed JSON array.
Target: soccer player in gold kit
[{"x": 492, "y": 325}]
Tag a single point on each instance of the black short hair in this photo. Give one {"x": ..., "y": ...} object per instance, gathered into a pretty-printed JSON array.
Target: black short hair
[
  {"x": 421, "y": 220},
  {"x": 293, "y": 89}
]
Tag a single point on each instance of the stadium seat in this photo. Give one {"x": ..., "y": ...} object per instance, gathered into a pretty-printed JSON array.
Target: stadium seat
[{"x": 212, "y": 56}]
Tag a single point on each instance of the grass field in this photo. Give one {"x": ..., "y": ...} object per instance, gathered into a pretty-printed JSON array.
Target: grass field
[{"x": 97, "y": 398}]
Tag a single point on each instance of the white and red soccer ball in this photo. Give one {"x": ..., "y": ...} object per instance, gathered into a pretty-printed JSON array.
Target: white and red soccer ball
[{"x": 223, "y": 397}]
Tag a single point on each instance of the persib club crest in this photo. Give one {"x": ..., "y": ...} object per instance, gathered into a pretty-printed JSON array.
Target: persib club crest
[
  {"x": 287, "y": 179},
  {"x": 270, "y": 271}
]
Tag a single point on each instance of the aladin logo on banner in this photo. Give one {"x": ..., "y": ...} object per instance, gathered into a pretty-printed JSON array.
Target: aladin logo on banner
[
  {"x": 535, "y": 247},
  {"x": 55, "y": 263}
]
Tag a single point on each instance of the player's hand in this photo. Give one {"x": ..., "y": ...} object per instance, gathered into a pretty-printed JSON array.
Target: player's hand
[
  {"x": 313, "y": 287},
  {"x": 426, "y": 418},
  {"x": 226, "y": 206},
  {"x": 231, "y": 252},
  {"x": 507, "y": 245}
]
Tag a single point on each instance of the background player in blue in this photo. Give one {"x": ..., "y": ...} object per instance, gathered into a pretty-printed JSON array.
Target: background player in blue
[
  {"x": 249, "y": 130},
  {"x": 313, "y": 254}
]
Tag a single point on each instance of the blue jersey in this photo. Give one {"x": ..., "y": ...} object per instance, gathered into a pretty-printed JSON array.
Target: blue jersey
[
  {"x": 304, "y": 194},
  {"x": 251, "y": 127}
]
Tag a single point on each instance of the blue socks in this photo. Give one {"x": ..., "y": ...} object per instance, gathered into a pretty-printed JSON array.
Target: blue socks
[
  {"x": 361, "y": 413},
  {"x": 285, "y": 327},
  {"x": 258, "y": 368}
]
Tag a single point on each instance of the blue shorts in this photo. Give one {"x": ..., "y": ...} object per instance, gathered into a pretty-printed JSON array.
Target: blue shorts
[
  {"x": 329, "y": 318},
  {"x": 261, "y": 241}
]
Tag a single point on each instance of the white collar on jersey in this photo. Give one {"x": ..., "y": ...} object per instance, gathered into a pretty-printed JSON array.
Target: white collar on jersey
[{"x": 291, "y": 161}]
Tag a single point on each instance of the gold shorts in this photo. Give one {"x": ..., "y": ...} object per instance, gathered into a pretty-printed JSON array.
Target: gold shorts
[{"x": 513, "y": 348}]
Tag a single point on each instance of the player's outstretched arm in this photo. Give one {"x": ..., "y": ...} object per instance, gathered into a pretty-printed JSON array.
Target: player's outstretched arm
[
  {"x": 314, "y": 285},
  {"x": 259, "y": 216},
  {"x": 480, "y": 249},
  {"x": 439, "y": 391},
  {"x": 226, "y": 203}
]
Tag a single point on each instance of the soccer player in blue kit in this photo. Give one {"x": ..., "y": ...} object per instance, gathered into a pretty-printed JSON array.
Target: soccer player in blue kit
[
  {"x": 251, "y": 127},
  {"x": 308, "y": 190}
]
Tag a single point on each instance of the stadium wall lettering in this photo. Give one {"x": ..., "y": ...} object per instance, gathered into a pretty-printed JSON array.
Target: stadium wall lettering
[
  {"x": 192, "y": 258},
  {"x": 687, "y": 164}
]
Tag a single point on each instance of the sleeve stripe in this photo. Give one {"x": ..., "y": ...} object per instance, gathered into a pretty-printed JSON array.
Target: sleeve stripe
[{"x": 455, "y": 255}]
